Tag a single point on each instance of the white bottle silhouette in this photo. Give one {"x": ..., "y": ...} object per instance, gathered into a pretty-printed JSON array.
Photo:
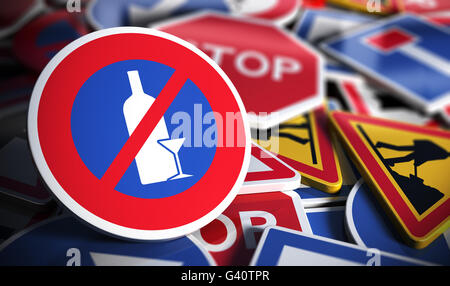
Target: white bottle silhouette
[{"x": 154, "y": 162}]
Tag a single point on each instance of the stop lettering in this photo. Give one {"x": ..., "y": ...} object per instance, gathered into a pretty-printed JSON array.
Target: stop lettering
[
  {"x": 276, "y": 75},
  {"x": 233, "y": 236}
]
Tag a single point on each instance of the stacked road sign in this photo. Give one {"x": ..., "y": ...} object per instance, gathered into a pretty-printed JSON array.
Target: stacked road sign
[{"x": 224, "y": 132}]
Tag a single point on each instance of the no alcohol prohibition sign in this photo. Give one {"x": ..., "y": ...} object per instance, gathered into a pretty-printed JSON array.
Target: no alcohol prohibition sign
[{"x": 103, "y": 132}]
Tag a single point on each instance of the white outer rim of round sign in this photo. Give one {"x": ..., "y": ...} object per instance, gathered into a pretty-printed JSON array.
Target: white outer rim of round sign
[
  {"x": 37, "y": 8},
  {"x": 349, "y": 222},
  {"x": 282, "y": 20},
  {"x": 80, "y": 211}
]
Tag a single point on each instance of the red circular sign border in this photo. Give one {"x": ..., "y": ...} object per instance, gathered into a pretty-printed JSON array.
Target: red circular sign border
[{"x": 59, "y": 150}]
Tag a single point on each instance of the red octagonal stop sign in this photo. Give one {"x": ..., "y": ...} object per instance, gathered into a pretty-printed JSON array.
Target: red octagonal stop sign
[{"x": 277, "y": 75}]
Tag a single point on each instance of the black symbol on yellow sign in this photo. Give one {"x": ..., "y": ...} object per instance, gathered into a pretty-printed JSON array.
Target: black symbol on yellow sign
[
  {"x": 421, "y": 196},
  {"x": 304, "y": 143},
  {"x": 305, "y": 126}
]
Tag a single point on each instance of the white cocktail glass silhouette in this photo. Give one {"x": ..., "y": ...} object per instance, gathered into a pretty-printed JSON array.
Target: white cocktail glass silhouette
[{"x": 174, "y": 146}]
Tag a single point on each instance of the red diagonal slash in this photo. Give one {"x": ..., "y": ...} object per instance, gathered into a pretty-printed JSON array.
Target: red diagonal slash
[{"x": 144, "y": 129}]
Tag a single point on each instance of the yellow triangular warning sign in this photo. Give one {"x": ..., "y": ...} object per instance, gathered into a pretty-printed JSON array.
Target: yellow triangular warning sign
[
  {"x": 305, "y": 144},
  {"x": 407, "y": 166}
]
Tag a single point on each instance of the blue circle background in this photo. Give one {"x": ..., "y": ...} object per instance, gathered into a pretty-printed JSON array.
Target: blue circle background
[{"x": 99, "y": 130}]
